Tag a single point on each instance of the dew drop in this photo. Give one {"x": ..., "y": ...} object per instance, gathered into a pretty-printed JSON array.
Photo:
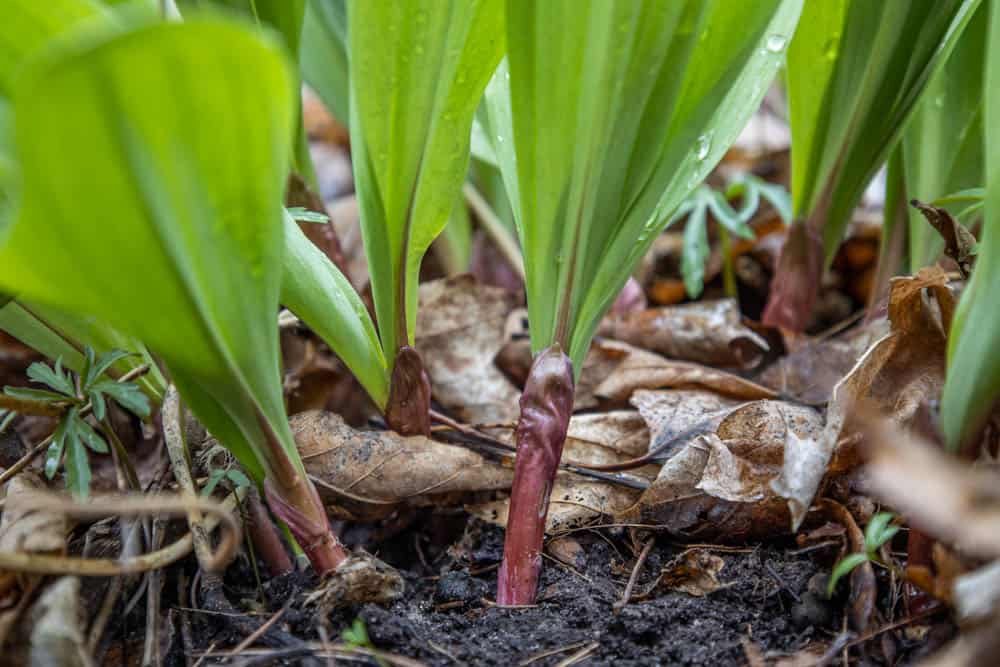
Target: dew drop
[
  {"x": 500, "y": 138},
  {"x": 703, "y": 146},
  {"x": 776, "y": 43},
  {"x": 939, "y": 101}
]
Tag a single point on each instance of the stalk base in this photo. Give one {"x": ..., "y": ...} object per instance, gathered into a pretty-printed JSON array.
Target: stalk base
[{"x": 546, "y": 406}]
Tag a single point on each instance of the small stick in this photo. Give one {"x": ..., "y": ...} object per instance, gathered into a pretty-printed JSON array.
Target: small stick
[
  {"x": 639, "y": 562},
  {"x": 259, "y": 632},
  {"x": 579, "y": 655}
]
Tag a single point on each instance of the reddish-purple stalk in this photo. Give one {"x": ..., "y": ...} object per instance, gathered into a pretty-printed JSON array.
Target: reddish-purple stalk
[
  {"x": 797, "y": 279},
  {"x": 302, "y": 511},
  {"x": 266, "y": 541},
  {"x": 546, "y": 405}
]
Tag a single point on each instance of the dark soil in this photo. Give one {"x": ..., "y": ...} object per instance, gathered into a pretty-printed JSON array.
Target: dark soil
[{"x": 446, "y": 617}]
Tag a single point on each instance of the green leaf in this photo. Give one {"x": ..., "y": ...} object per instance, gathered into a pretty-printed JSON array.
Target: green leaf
[
  {"x": 213, "y": 481},
  {"x": 90, "y": 437},
  {"x": 285, "y": 18},
  {"x": 324, "y": 57},
  {"x": 54, "y": 378},
  {"x": 98, "y": 404},
  {"x": 100, "y": 366},
  {"x": 843, "y": 567},
  {"x": 190, "y": 261},
  {"x": 300, "y": 214},
  {"x": 614, "y": 119},
  {"x": 879, "y": 531},
  {"x": 417, "y": 71},
  {"x": 237, "y": 478},
  {"x": 125, "y": 394},
  {"x": 972, "y": 384},
  {"x": 695, "y": 252},
  {"x": 856, "y": 70},
  {"x": 54, "y": 453},
  {"x": 314, "y": 289},
  {"x": 32, "y": 394},
  {"x": 943, "y": 141},
  {"x": 77, "y": 464}
]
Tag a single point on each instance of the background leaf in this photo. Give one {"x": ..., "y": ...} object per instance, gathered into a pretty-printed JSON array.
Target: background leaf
[
  {"x": 323, "y": 55},
  {"x": 856, "y": 70},
  {"x": 417, "y": 70},
  {"x": 943, "y": 142},
  {"x": 972, "y": 384},
  {"x": 190, "y": 260}
]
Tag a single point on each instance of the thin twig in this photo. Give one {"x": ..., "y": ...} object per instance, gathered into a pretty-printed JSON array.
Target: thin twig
[
  {"x": 98, "y": 507},
  {"x": 639, "y": 562},
  {"x": 259, "y": 632}
]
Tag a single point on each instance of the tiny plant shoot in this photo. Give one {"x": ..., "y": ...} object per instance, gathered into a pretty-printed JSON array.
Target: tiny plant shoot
[{"x": 602, "y": 127}]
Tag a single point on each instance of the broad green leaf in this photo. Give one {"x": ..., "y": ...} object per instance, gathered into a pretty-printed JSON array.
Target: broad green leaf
[
  {"x": 285, "y": 18},
  {"x": 77, "y": 464},
  {"x": 972, "y": 384},
  {"x": 856, "y": 70},
  {"x": 323, "y": 54},
  {"x": 90, "y": 437},
  {"x": 417, "y": 71},
  {"x": 190, "y": 261},
  {"x": 943, "y": 141},
  {"x": 606, "y": 124},
  {"x": 314, "y": 289},
  {"x": 125, "y": 394}
]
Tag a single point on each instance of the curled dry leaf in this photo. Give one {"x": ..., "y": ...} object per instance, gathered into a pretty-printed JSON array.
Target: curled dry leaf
[
  {"x": 720, "y": 486},
  {"x": 695, "y": 572},
  {"x": 959, "y": 243},
  {"x": 460, "y": 330},
  {"x": 676, "y": 417},
  {"x": 707, "y": 332},
  {"x": 810, "y": 371},
  {"x": 896, "y": 375},
  {"x": 640, "y": 369},
  {"x": 366, "y": 474}
]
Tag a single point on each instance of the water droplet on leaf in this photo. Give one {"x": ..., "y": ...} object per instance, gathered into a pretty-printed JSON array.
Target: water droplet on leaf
[
  {"x": 703, "y": 146},
  {"x": 776, "y": 43}
]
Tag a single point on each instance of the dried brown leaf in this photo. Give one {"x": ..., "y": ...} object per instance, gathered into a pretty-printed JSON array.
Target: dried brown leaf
[
  {"x": 366, "y": 474},
  {"x": 460, "y": 330},
  {"x": 640, "y": 369},
  {"x": 959, "y": 243},
  {"x": 707, "y": 332},
  {"x": 694, "y": 572}
]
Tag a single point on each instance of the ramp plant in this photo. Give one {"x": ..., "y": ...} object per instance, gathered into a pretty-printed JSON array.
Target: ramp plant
[
  {"x": 177, "y": 222},
  {"x": 856, "y": 71},
  {"x": 606, "y": 117},
  {"x": 417, "y": 73}
]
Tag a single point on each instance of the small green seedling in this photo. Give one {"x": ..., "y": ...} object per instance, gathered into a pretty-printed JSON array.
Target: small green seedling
[
  {"x": 237, "y": 478},
  {"x": 747, "y": 187},
  {"x": 75, "y": 395},
  {"x": 879, "y": 531}
]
